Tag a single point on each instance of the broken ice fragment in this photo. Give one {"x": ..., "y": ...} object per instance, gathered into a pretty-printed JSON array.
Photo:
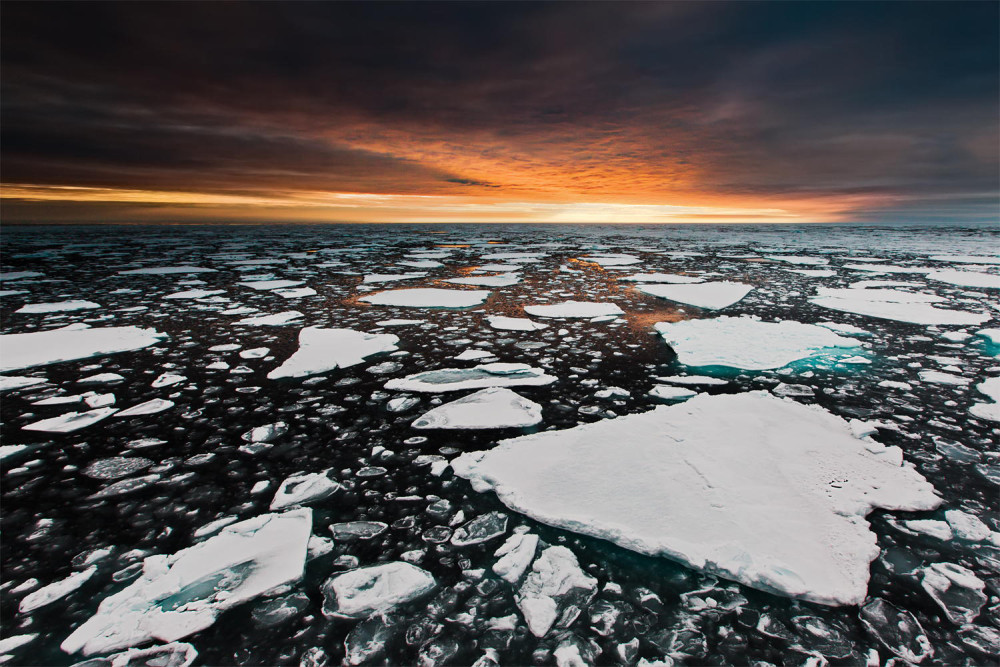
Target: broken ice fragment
[
  {"x": 150, "y": 407},
  {"x": 481, "y": 529},
  {"x": 426, "y": 297},
  {"x": 668, "y": 393},
  {"x": 483, "y": 375},
  {"x": 116, "y": 466},
  {"x": 303, "y": 489},
  {"x": 897, "y": 630},
  {"x": 514, "y": 323},
  {"x": 374, "y": 590},
  {"x": 515, "y": 555},
  {"x": 56, "y": 590},
  {"x": 495, "y": 407},
  {"x": 9, "y": 382},
  {"x": 321, "y": 350},
  {"x": 956, "y": 590},
  {"x": 349, "y": 531},
  {"x": 71, "y": 421},
  {"x": 555, "y": 591},
  {"x": 184, "y": 593}
]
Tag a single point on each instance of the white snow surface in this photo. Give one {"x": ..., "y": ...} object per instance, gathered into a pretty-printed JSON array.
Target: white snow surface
[
  {"x": 743, "y": 342},
  {"x": 584, "y": 309},
  {"x": 713, "y": 296},
  {"x": 515, "y": 323},
  {"x": 57, "y": 307},
  {"x": 39, "y": 348},
  {"x": 758, "y": 489},
  {"x": 428, "y": 297},
  {"x": 321, "y": 350},
  {"x": 181, "y": 594},
  {"x": 477, "y": 377},
  {"x": 495, "y": 407}
]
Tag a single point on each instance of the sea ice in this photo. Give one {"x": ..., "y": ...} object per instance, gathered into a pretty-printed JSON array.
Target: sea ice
[
  {"x": 555, "y": 591},
  {"x": 967, "y": 259},
  {"x": 495, "y": 407},
  {"x": 892, "y": 304},
  {"x": 897, "y": 630},
  {"x": 374, "y": 278},
  {"x": 56, "y": 590},
  {"x": 25, "y": 350},
  {"x": 514, "y": 556},
  {"x": 322, "y": 350},
  {"x": 799, "y": 259},
  {"x": 668, "y": 393},
  {"x": 988, "y": 411},
  {"x": 71, "y": 421},
  {"x": 501, "y": 280},
  {"x": 427, "y": 297},
  {"x": 967, "y": 526},
  {"x": 744, "y": 342},
  {"x": 9, "y": 382},
  {"x": 195, "y": 294},
  {"x": 955, "y": 589},
  {"x": 264, "y": 285},
  {"x": 165, "y": 270},
  {"x": 662, "y": 278},
  {"x": 20, "y": 275},
  {"x": 713, "y": 296},
  {"x": 966, "y": 278},
  {"x": 692, "y": 380},
  {"x": 303, "y": 489},
  {"x": 277, "y": 319},
  {"x": 150, "y": 407},
  {"x": 515, "y": 323},
  {"x": 57, "y": 307},
  {"x": 762, "y": 490},
  {"x": 181, "y": 594},
  {"x": 473, "y": 355},
  {"x": 585, "y": 309},
  {"x": 374, "y": 590},
  {"x": 477, "y": 377},
  {"x": 481, "y": 529}
]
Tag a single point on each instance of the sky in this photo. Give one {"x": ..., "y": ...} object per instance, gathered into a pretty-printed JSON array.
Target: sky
[{"x": 500, "y": 112}]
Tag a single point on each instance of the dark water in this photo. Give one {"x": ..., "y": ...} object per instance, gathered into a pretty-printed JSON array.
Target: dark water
[{"x": 338, "y": 421}]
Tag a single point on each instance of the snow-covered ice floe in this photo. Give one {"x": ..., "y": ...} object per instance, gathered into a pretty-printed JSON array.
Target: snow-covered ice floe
[
  {"x": 321, "y": 350},
  {"x": 374, "y": 278},
  {"x": 184, "y": 593},
  {"x": 377, "y": 589},
  {"x": 662, "y": 278},
  {"x": 495, "y": 407},
  {"x": 428, "y": 297},
  {"x": 39, "y": 348},
  {"x": 514, "y": 323},
  {"x": 9, "y": 382},
  {"x": 893, "y": 304},
  {"x": 555, "y": 584},
  {"x": 966, "y": 278},
  {"x": 478, "y": 377},
  {"x": 71, "y": 421},
  {"x": 744, "y": 342},
  {"x": 277, "y": 319},
  {"x": 57, "y": 307},
  {"x": 758, "y": 489},
  {"x": 572, "y": 309},
  {"x": 713, "y": 296},
  {"x": 989, "y": 411},
  {"x": 501, "y": 280}
]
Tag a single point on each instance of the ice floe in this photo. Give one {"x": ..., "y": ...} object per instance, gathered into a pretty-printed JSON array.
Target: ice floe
[
  {"x": 303, "y": 489},
  {"x": 46, "y": 595},
  {"x": 9, "y": 382},
  {"x": 555, "y": 591},
  {"x": 165, "y": 270},
  {"x": 478, "y": 377},
  {"x": 892, "y": 304},
  {"x": 57, "y": 307},
  {"x": 495, "y": 407},
  {"x": 765, "y": 491},
  {"x": 40, "y": 348},
  {"x": 666, "y": 392},
  {"x": 375, "y": 590},
  {"x": 514, "y": 556},
  {"x": 989, "y": 411},
  {"x": 502, "y": 280},
  {"x": 322, "y": 350},
  {"x": 966, "y": 278},
  {"x": 427, "y": 297},
  {"x": 150, "y": 407},
  {"x": 574, "y": 309},
  {"x": 184, "y": 593},
  {"x": 896, "y": 629},
  {"x": 713, "y": 296},
  {"x": 743, "y": 342},
  {"x": 277, "y": 319},
  {"x": 956, "y": 589},
  {"x": 662, "y": 278},
  {"x": 514, "y": 323},
  {"x": 374, "y": 278},
  {"x": 71, "y": 421}
]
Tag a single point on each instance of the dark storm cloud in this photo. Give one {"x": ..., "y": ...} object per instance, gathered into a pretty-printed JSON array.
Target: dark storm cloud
[{"x": 749, "y": 99}]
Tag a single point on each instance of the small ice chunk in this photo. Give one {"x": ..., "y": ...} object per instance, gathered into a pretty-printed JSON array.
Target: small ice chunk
[
  {"x": 937, "y": 529},
  {"x": 712, "y": 296},
  {"x": 181, "y": 594},
  {"x": 264, "y": 285},
  {"x": 897, "y": 630},
  {"x": 481, "y": 529},
  {"x": 195, "y": 294},
  {"x": 20, "y": 275},
  {"x": 988, "y": 411},
  {"x": 495, "y": 407},
  {"x": 373, "y": 278},
  {"x": 938, "y": 377},
  {"x": 56, "y": 590},
  {"x": 10, "y": 382},
  {"x": 555, "y": 590},
  {"x": 374, "y": 590},
  {"x": 40, "y": 348},
  {"x": 302, "y": 489},
  {"x": 71, "y": 421},
  {"x": 470, "y": 355},
  {"x": 966, "y": 278},
  {"x": 427, "y": 297},
  {"x": 515, "y": 555},
  {"x": 323, "y": 350},
  {"x": 150, "y": 407},
  {"x": 116, "y": 466},
  {"x": 350, "y": 531},
  {"x": 967, "y": 526},
  {"x": 897, "y": 305},
  {"x": 514, "y": 323},
  {"x": 277, "y": 319},
  {"x": 59, "y": 307},
  {"x": 744, "y": 342},
  {"x": 401, "y": 403},
  {"x": 167, "y": 380},
  {"x": 955, "y": 589},
  {"x": 478, "y": 377},
  {"x": 574, "y": 309},
  {"x": 692, "y": 380},
  {"x": 667, "y": 393}
]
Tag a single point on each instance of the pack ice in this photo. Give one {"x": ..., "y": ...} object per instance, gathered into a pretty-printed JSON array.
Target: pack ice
[
  {"x": 744, "y": 342},
  {"x": 181, "y": 594},
  {"x": 321, "y": 350},
  {"x": 713, "y": 296},
  {"x": 39, "y": 348},
  {"x": 428, "y": 297},
  {"x": 495, "y": 407},
  {"x": 755, "y": 488}
]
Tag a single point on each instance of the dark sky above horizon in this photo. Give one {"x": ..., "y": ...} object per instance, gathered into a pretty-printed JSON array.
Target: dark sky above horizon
[{"x": 577, "y": 112}]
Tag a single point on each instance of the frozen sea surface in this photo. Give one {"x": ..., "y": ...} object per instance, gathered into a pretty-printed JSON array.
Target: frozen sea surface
[{"x": 159, "y": 511}]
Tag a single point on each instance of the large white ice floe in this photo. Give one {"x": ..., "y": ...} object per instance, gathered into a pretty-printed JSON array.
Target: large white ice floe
[
  {"x": 71, "y": 421},
  {"x": 744, "y": 342},
  {"x": 989, "y": 411},
  {"x": 662, "y": 278},
  {"x": 478, "y": 377},
  {"x": 165, "y": 270},
  {"x": 554, "y": 591},
  {"x": 714, "y": 296},
  {"x": 57, "y": 307},
  {"x": 967, "y": 259},
  {"x": 184, "y": 593},
  {"x": 321, "y": 350},
  {"x": 277, "y": 319},
  {"x": 501, "y": 280},
  {"x": 758, "y": 489},
  {"x": 569, "y": 309},
  {"x": 893, "y": 304},
  {"x": 495, "y": 407},
  {"x": 374, "y": 278},
  {"x": 9, "y": 382},
  {"x": 428, "y": 297},
  {"x": 966, "y": 278},
  {"x": 39, "y": 348},
  {"x": 375, "y": 590},
  {"x": 515, "y": 323}
]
